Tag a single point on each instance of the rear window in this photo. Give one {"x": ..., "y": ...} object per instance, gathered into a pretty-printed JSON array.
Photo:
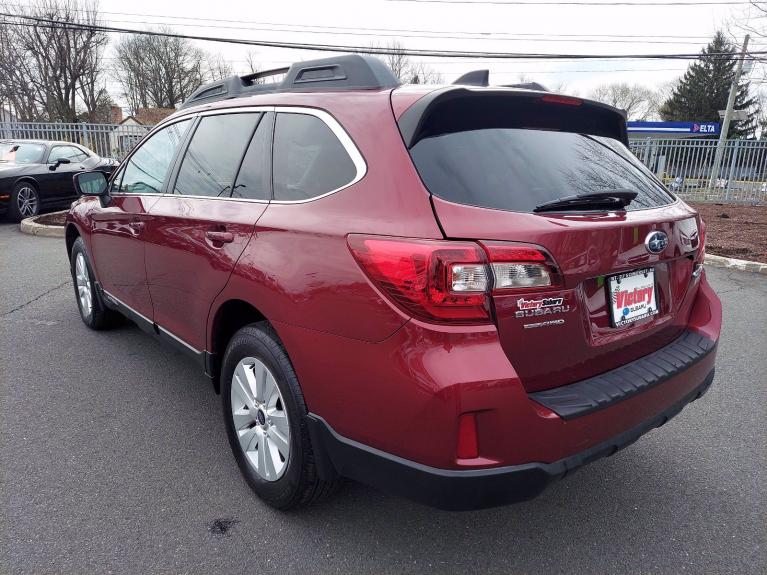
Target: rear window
[{"x": 518, "y": 169}]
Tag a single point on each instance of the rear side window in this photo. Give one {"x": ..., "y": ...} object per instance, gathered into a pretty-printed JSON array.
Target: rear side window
[
  {"x": 147, "y": 168},
  {"x": 309, "y": 160},
  {"x": 214, "y": 154},
  {"x": 517, "y": 169}
]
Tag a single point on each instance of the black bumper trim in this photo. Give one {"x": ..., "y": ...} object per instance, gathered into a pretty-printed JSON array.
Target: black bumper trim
[
  {"x": 459, "y": 490},
  {"x": 601, "y": 391}
]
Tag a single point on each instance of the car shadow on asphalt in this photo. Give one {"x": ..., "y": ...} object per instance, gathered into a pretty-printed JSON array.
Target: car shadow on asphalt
[{"x": 636, "y": 501}]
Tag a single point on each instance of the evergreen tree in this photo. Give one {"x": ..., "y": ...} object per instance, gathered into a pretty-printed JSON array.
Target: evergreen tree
[{"x": 705, "y": 87}]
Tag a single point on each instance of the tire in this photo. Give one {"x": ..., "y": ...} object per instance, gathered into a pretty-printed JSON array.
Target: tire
[
  {"x": 287, "y": 480},
  {"x": 92, "y": 310},
  {"x": 25, "y": 201}
]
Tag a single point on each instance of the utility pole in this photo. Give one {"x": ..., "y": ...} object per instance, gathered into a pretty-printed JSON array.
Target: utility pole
[{"x": 728, "y": 115}]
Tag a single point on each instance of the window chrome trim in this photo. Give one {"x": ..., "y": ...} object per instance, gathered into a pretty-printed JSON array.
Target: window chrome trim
[
  {"x": 348, "y": 144},
  {"x": 346, "y": 141},
  {"x": 235, "y": 110}
]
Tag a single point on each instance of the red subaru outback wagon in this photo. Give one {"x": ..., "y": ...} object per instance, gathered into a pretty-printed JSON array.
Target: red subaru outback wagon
[{"x": 457, "y": 294}]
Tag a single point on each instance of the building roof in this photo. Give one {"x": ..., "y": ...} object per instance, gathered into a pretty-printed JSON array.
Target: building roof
[{"x": 152, "y": 116}]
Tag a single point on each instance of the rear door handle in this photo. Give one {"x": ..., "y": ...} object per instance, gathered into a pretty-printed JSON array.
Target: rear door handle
[{"x": 220, "y": 237}]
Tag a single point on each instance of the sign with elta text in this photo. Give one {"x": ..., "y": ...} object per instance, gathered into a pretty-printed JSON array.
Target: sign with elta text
[{"x": 675, "y": 128}]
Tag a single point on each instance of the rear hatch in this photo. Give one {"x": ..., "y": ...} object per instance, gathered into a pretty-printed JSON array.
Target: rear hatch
[{"x": 494, "y": 161}]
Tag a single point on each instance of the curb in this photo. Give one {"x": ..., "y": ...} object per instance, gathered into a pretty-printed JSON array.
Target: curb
[
  {"x": 735, "y": 264},
  {"x": 30, "y": 226}
]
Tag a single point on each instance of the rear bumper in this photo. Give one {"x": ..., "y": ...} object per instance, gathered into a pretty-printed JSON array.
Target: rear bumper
[
  {"x": 389, "y": 414},
  {"x": 459, "y": 490},
  {"x": 602, "y": 391}
]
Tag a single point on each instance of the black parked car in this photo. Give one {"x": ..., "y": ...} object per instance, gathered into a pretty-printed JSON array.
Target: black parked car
[{"x": 37, "y": 174}]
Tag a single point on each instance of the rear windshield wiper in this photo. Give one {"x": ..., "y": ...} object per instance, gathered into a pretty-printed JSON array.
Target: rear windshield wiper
[{"x": 608, "y": 200}]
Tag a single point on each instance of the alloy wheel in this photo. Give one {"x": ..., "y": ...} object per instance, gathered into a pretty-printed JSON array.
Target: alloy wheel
[
  {"x": 83, "y": 281},
  {"x": 260, "y": 418},
  {"x": 26, "y": 200}
]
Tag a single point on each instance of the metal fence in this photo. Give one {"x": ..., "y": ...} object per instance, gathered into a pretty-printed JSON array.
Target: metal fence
[
  {"x": 684, "y": 165},
  {"x": 107, "y": 140}
]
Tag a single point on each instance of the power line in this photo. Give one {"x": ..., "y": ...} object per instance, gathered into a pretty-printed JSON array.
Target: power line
[
  {"x": 582, "y": 2},
  {"x": 397, "y": 35},
  {"x": 50, "y": 23},
  {"x": 497, "y": 68},
  {"x": 329, "y": 28}
]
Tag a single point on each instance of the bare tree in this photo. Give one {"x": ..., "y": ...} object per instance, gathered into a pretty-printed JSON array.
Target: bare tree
[
  {"x": 421, "y": 73},
  {"x": 158, "y": 71},
  {"x": 562, "y": 87},
  {"x": 50, "y": 68},
  {"x": 407, "y": 71},
  {"x": 252, "y": 62},
  {"x": 253, "y": 66},
  {"x": 639, "y": 102},
  {"x": 218, "y": 68},
  {"x": 15, "y": 95},
  {"x": 397, "y": 60}
]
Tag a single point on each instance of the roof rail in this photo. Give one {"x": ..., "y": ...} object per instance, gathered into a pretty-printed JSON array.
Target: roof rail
[
  {"x": 350, "y": 72},
  {"x": 474, "y": 78}
]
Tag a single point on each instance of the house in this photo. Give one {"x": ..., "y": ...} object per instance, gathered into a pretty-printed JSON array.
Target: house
[
  {"x": 152, "y": 116},
  {"x": 125, "y": 135},
  {"x": 7, "y": 116}
]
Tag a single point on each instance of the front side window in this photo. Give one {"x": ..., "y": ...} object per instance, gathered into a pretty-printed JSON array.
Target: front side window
[
  {"x": 309, "y": 160},
  {"x": 71, "y": 153},
  {"x": 147, "y": 169},
  {"x": 214, "y": 154}
]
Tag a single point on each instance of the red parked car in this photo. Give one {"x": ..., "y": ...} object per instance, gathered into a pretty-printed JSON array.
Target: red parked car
[{"x": 457, "y": 294}]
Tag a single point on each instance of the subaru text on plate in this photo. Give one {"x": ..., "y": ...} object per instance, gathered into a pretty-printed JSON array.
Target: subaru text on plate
[{"x": 457, "y": 294}]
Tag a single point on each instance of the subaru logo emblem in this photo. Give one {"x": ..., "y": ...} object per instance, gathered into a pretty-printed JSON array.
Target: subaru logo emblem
[{"x": 656, "y": 242}]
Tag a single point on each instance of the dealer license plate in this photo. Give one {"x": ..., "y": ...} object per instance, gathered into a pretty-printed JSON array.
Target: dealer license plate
[{"x": 632, "y": 296}]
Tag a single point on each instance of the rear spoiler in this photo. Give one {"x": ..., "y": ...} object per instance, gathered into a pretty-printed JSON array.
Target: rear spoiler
[{"x": 460, "y": 108}]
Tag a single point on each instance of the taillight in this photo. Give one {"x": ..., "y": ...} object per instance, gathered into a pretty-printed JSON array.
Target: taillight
[
  {"x": 520, "y": 267},
  {"x": 434, "y": 280},
  {"x": 449, "y": 281}
]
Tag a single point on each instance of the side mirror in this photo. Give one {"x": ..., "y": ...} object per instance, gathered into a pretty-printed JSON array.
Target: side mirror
[
  {"x": 90, "y": 183},
  {"x": 57, "y": 163}
]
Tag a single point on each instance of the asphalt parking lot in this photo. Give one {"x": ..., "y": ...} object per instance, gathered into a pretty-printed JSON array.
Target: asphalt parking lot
[{"x": 113, "y": 459}]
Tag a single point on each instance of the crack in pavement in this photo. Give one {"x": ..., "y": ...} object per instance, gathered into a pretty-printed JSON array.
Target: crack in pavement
[
  {"x": 740, "y": 283},
  {"x": 34, "y": 299}
]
